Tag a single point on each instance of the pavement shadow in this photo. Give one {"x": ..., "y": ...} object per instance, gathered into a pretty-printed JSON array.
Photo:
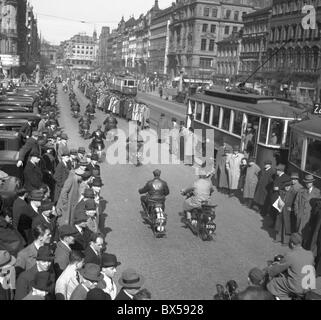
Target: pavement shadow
[{"x": 267, "y": 225}]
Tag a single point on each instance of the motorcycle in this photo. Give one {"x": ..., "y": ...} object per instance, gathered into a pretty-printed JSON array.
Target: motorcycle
[
  {"x": 99, "y": 150},
  {"x": 85, "y": 134},
  {"x": 202, "y": 223},
  {"x": 155, "y": 216},
  {"x": 75, "y": 114}
]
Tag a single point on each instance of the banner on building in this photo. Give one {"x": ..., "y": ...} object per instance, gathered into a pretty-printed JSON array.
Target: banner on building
[{"x": 9, "y": 60}]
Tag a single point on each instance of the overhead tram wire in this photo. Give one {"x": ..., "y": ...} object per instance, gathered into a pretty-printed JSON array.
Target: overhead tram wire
[{"x": 74, "y": 20}]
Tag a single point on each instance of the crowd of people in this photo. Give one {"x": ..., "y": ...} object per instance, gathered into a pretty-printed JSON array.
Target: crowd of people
[{"x": 55, "y": 238}]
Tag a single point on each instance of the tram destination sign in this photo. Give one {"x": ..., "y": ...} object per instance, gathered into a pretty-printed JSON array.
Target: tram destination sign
[{"x": 317, "y": 109}]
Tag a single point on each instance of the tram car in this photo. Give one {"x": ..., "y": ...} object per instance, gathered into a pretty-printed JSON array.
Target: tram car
[
  {"x": 305, "y": 148},
  {"x": 259, "y": 125},
  {"x": 124, "y": 84}
]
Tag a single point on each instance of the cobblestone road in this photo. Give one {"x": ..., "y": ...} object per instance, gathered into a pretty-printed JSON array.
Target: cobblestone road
[{"x": 180, "y": 266}]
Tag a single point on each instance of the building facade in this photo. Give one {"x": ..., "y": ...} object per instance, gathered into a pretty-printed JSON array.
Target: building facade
[
  {"x": 81, "y": 52},
  {"x": 254, "y": 43},
  {"x": 228, "y": 57},
  {"x": 48, "y": 54},
  {"x": 103, "y": 48},
  {"x": 295, "y": 51},
  {"x": 195, "y": 29}
]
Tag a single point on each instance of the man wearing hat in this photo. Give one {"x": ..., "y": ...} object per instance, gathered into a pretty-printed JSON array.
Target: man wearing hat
[
  {"x": 283, "y": 226},
  {"x": 256, "y": 278},
  {"x": 26, "y": 278},
  {"x": 81, "y": 153},
  {"x": 91, "y": 276},
  {"x": 263, "y": 191},
  {"x": 7, "y": 275},
  {"x": 74, "y": 159},
  {"x": 33, "y": 177},
  {"x": 46, "y": 211},
  {"x": 303, "y": 209},
  {"x": 251, "y": 180},
  {"x": 156, "y": 190},
  {"x": 131, "y": 282},
  {"x": 30, "y": 146},
  {"x": 42, "y": 125},
  {"x": 91, "y": 212},
  {"x": 67, "y": 235},
  {"x": 287, "y": 276},
  {"x": 94, "y": 250},
  {"x": 233, "y": 166},
  {"x": 86, "y": 195},
  {"x": 62, "y": 147},
  {"x": 279, "y": 180},
  {"x": 86, "y": 180},
  {"x": 83, "y": 235},
  {"x": 109, "y": 265},
  {"x": 69, "y": 197},
  {"x": 98, "y": 137},
  {"x": 40, "y": 286},
  {"x": 93, "y": 165},
  {"x": 61, "y": 174},
  {"x": 25, "y": 131}
]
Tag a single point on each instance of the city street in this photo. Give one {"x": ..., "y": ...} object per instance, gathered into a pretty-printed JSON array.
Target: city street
[{"x": 180, "y": 266}]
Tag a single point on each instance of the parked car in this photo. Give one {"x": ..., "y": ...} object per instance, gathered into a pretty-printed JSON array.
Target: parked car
[
  {"x": 11, "y": 124},
  {"x": 25, "y": 104},
  {"x": 13, "y": 109},
  {"x": 9, "y": 140}
]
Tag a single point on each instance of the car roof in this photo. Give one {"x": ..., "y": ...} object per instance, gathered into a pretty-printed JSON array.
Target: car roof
[
  {"x": 14, "y": 108},
  {"x": 20, "y": 115},
  {"x": 8, "y": 156},
  {"x": 12, "y": 121},
  {"x": 15, "y": 103}
]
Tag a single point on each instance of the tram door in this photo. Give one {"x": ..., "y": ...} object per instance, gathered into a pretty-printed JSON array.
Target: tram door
[{"x": 253, "y": 135}]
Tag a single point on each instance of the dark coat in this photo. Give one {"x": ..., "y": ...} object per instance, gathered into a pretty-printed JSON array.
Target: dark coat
[
  {"x": 82, "y": 240},
  {"x": 39, "y": 219},
  {"x": 80, "y": 293},
  {"x": 264, "y": 186},
  {"x": 33, "y": 177},
  {"x": 23, "y": 285},
  {"x": 61, "y": 262},
  {"x": 278, "y": 184},
  {"x": 316, "y": 239},
  {"x": 91, "y": 256},
  {"x": 25, "y": 130},
  {"x": 80, "y": 208},
  {"x": 31, "y": 145},
  {"x": 122, "y": 295},
  {"x": 60, "y": 176}
]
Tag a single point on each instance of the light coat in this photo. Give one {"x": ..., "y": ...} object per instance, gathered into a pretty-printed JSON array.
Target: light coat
[
  {"x": 251, "y": 180},
  {"x": 233, "y": 163}
]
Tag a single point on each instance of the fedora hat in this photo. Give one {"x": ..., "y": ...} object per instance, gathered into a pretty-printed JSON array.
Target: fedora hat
[
  {"x": 97, "y": 182},
  {"x": 90, "y": 205},
  {"x": 67, "y": 230},
  {"x": 280, "y": 167},
  {"x": 308, "y": 178},
  {"x": 79, "y": 217},
  {"x": 64, "y": 136},
  {"x": 6, "y": 259},
  {"x": 97, "y": 294},
  {"x": 131, "y": 279},
  {"x": 295, "y": 175},
  {"x": 44, "y": 254},
  {"x": 73, "y": 152},
  {"x": 81, "y": 150},
  {"x": 89, "y": 193},
  {"x": 268, "y": 162},
  {"x": 36, "y": 195},
  {"x": 91, "y": 272},
  {"x": 236, "y": 148},
  {"x": 42, "y": 281},
  {"x": 35, "y": 154},
  {"x": 109, "y": 260}
]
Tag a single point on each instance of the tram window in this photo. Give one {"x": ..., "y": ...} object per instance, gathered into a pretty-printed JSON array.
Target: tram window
[
  {"x": 192, "y": 106},
  {"x": 263, "y": 131},
  {"x": 125, "y": 82},
  {"x": 198, "y": 111},
  {"x": 313, "y": 160},
  {"x": 296, "y": 146},
  {"x": 131, "y": 83},
  {"x": 237, "y": 124},
  {"x": 207, "y": 113},
  {"x": 226, "y": 119},
  {"x": 216, "y": 116},
  {"x": 276, "y": 132}
]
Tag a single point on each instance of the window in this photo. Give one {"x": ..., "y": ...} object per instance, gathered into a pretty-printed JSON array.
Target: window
[
  {"x": 131, "y": 83},
  {"x": 237, "y": 124},
  {"x": 296, "y": 146},
  {"x": 206, "y": 12},
  {"x": 205, "y": 63},
  {"x": 236, "y": 15},
  {"x": 214, "y": 12},
  {"x": 198, "y": 111},
  {"x": 276, "y": 132},
  {"x": 211, "y": 46},
  {"x": 226, "y": 119},
  {"x": 263, "y": 132},
  {"x": 204, "y": 28},
  {"x": 207, "y": 113},
  {"x": 226, "y": 30},
  {"x": 203, "y": 44},
  {"x": 216, "y": 116},
  {"x": 313, "y": 162},
  {"x": 234, "y": 29},
  {"x": 227, "y": 14},
  {"x": 213, "y": 28}
]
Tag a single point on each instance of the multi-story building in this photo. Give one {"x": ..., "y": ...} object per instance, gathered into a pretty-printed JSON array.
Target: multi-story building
[
  {"x": 295, "y": 52},
  {"x": 110, "y": 50},
  {"x": 141, "y": 59},
  {"x": 159, "y": 35},
  {"x": 48, "y": 54},
  {"x": 195, "y": 28},
  {"x": 254, "y": 43},
  {"x": 103, "y": 48},
  {"x": 228, "y": 57},
  {"x": 81, "y": 52}
]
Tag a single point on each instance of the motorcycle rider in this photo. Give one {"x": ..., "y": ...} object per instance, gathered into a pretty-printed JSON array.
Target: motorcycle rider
[
  {"x": 110, "y": 122},
  {"x": 288, "y": 276},
  {"x": 98, "y": 137},
  {"x": 90, "y": 109},
  {"x": 156, "y": 190},
  {"x": 75, "y": 108},
  {"x": 202, "y": 190}
]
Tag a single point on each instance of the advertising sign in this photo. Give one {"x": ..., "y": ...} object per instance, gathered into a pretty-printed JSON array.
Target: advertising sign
[{"x": 8, "y": 60}]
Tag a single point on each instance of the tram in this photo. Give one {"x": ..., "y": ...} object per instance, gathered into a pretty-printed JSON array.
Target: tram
[
  {"x": 231, "y": 114},
  {"x": 305, "y": 148},
  {"x": 124, "y": 84}
]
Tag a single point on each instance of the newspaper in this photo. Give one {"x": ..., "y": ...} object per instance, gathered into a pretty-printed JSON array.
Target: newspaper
[{"x": 279, "y": 204}]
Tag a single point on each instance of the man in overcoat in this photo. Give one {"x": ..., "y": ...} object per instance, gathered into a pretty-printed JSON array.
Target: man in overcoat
[
  {"x": 303, "y": 208},
  {"x": 220, "y": 168},
  {"x": 33, "y": 177},
  {"x": 69, "y": 197},
  {"x": 61, "y": 174},
  {"x": 251, "y": 180},
  {"x": 31, "y": 145}
]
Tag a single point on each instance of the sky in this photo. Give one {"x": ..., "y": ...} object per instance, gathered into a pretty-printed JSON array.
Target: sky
[{"x": 96, "y": 13}]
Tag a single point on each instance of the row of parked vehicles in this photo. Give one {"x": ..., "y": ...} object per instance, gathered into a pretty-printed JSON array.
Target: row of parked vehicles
[{"x": 17, "y": 107}]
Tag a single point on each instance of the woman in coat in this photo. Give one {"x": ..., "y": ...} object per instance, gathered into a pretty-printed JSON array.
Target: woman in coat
[
  {"x": 243, "y": 170},
  {"x": 221, "y": 173},
  {"x": 251, "y": 180},
  {"x": 233, "y": 166}
]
